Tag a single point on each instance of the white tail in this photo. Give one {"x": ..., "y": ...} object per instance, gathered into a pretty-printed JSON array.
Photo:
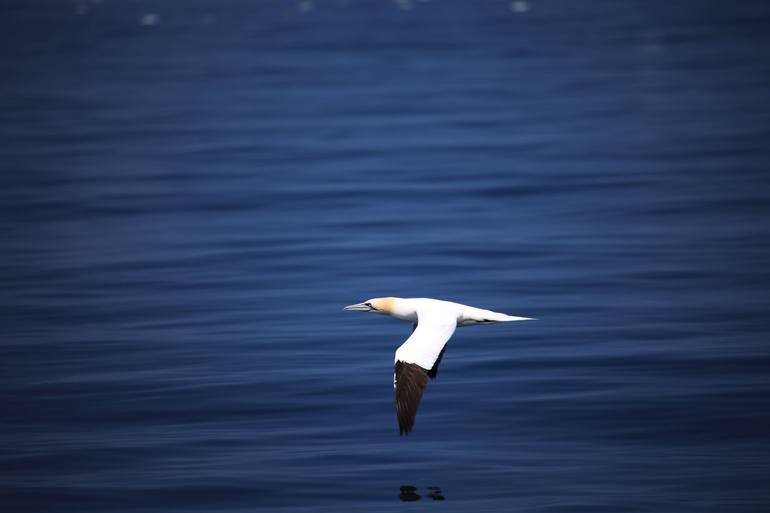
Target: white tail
[
  {"x": 472, "y": 315},
  {"x": 501, "y": 317}
]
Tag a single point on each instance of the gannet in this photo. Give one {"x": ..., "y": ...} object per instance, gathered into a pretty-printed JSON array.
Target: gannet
[{"x": 433, "y": 323}]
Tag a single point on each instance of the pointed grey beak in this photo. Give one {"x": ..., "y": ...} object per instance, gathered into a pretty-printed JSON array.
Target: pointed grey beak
[{"x": 359, "y": 307}]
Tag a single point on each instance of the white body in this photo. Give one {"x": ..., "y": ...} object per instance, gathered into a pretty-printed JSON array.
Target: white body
[{"x": 436, "y": 322}]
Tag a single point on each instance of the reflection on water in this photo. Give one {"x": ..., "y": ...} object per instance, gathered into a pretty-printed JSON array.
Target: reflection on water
[
  {"x": 191, "y": 190},
  {"x": 434, "y": 492},
  {"x": 409, "y": 493}
]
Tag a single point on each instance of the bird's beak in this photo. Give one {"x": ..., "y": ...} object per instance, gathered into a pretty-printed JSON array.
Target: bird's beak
[{"x": 359, "y": 307}]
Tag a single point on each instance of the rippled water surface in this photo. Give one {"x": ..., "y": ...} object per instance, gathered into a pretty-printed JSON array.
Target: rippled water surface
[{"x": 191, "y": 191}]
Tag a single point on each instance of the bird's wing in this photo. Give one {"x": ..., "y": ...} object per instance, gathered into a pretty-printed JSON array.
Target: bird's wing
[
  {"x": 433, "y": 372},
  {"x": 410, "y": 380},
  {"x": 417, "y": 359},
  {"x": 423, "y": 347}
]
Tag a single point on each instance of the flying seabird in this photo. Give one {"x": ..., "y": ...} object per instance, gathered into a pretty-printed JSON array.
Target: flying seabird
[{"x": 433, "y": 323}]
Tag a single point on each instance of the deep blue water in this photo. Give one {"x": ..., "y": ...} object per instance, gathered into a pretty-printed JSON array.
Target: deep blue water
[{"x": 190, "y": 192}]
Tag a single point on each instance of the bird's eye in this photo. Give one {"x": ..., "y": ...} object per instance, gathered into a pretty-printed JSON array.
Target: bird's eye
[{"x": 368, "y": 304}]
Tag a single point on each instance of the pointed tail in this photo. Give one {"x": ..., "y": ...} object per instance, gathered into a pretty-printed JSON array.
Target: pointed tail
[
  {"x": 500, "y": 317},
  {"x": 478, "y": 316}
]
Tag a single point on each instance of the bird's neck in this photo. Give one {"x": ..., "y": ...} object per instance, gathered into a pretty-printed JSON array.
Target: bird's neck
[{"x": 401, "y": 309}]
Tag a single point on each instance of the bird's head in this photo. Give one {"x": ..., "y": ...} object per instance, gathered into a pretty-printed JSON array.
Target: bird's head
[{"x": 380, "y": 305}]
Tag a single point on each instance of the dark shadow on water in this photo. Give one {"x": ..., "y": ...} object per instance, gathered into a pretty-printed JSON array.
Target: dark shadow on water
[{"x": 409, "y": 493}]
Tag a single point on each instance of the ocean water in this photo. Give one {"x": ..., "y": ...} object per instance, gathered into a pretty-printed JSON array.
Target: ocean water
[{"x": 191, "y": 191}]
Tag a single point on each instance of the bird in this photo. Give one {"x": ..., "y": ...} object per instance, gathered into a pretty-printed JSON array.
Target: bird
[{"x": 433, "y": 323}]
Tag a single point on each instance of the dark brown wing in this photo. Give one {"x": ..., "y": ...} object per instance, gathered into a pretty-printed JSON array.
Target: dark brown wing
[{"x": 410, "y": 382}]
